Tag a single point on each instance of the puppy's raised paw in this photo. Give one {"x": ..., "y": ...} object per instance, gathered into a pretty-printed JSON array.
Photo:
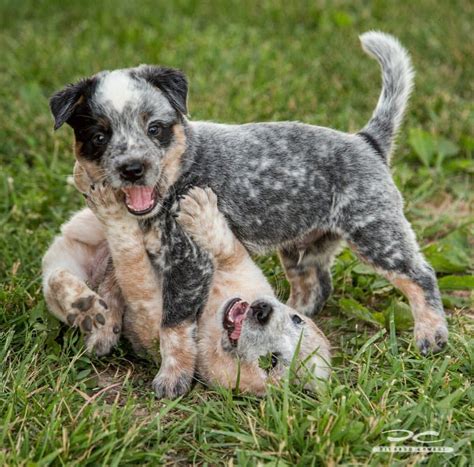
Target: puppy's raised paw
[
  {"x": 107, "y": 204},
  {"x": 198, "y": 212},
  {"x": 200, "y": 217}
]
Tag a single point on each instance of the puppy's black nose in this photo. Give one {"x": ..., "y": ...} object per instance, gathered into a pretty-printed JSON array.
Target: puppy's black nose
[
  {"x": 261, "y": 311},
  {"x": 132, "y": 171}
]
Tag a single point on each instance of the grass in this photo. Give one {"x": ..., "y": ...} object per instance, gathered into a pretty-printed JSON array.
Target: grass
[{"x": 247, "y": 61}]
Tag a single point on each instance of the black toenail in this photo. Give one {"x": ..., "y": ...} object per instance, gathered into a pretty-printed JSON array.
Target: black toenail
[
  {"x": 116, "y": 329},
  {"x": 103, "y": 304},
  {"x": 424, "y": 346},
  {"x": 87, "y": 324},
  {"x": 99, "y": 317},
  {"x": 440, "y": 341}
]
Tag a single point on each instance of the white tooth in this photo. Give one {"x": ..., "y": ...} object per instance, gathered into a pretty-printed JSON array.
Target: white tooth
[{"x": 301, "y": 254}]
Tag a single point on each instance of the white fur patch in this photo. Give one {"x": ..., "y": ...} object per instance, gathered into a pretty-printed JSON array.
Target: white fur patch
[{"x": 117, "y": 88}]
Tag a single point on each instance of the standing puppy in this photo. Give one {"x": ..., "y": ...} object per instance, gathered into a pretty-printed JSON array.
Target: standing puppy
[{"x": 296, "y": 187}]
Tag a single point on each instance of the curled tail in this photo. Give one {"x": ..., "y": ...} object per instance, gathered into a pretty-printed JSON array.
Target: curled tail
[{"x": 397, "y": 76}]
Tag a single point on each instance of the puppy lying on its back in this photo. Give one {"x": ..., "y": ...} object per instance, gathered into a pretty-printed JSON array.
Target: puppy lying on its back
[{"x": 241, "y": 322}]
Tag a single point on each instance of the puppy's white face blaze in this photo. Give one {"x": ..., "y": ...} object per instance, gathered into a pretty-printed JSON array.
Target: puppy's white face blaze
[{"x": 117, "y": 89}]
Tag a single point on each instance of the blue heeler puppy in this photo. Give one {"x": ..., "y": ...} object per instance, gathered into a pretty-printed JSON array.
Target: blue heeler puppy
[{"x": 299, "y": 188}]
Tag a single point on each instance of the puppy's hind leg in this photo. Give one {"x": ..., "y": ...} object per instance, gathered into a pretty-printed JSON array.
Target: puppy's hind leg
[
  {"x": 390, "y": 246},
  {"x": 67, "y": 269},
  {"x": 71, "y": 300},
  {"x": 308, "y": 270}
]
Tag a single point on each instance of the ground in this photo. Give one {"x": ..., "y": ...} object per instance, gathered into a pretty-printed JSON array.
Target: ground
[{"x": 247, "y": 61}]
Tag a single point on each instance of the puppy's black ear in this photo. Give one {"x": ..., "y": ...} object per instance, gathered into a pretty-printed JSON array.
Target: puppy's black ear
[
  {"x": 170, "y": 81},
  {"x": 64, "y": 102}
]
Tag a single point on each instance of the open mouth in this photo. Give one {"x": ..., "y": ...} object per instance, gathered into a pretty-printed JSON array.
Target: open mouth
[
  {"x": 234, "y": 316},
  {"x": 140, "y": 200}
]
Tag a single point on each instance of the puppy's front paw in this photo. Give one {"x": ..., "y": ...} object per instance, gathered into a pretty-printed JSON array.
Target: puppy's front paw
[
  {"x": 170, "y": 384},
  {"x": 198, "y": 210},
  {"x": 432, "y": 337},
  {"x": 106, "y": 203}
]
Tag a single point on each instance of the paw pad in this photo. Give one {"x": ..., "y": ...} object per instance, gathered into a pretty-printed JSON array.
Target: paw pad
[
  {"x": 83, "y": 304},
  {"x": 86, "y": 324},
  {"x": 99, "y": 317}
]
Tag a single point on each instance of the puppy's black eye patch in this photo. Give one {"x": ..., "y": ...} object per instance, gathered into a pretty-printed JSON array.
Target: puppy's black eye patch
[
  {"x": 94, "y": 140},
  {"x": 296, "y": 319},
  {"x": 99, "y": 138}
]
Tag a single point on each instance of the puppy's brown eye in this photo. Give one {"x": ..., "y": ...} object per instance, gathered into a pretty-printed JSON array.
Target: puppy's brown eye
[
  {"x": 154, "y": 130},
  {"x": 296, "y": 319},
  {"x": 99, "y": 139}
]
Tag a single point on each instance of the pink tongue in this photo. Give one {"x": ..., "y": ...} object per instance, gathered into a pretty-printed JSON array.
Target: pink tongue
[
  {"x": 238, "y": 314},
  {"x": 139, "y": 198},
  {"x": 235, "y": 334}
]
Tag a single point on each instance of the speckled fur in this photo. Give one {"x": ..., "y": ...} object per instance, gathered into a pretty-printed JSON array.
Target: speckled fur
[{"x": 277, "y": 183}]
